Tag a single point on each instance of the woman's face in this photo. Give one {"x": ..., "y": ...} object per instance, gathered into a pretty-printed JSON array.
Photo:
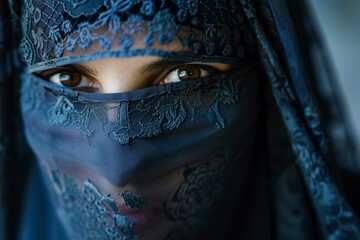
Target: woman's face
[
  {"x": 155, "y": 206},
  {"x": 142, "y": 139},
  {"x": 116, "y": 75}
]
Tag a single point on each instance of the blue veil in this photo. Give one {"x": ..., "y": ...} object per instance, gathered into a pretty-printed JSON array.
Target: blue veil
[{"x": 300, "y": 162}]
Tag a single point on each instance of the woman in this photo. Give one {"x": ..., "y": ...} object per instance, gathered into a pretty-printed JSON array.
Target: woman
[{"x": 181, "y": 120}]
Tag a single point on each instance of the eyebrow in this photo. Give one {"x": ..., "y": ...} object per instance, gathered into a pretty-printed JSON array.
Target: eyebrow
[
  {"x": 161, "y": 64},
  {"x": 76, "y": 67}
]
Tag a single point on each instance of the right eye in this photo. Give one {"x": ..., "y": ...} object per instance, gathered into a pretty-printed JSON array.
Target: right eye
[
  {"x": 74, "y": 80},
  {"x": 67, "y": 79}
]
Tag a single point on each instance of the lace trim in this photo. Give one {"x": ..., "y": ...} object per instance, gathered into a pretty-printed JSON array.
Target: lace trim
[
  {"x": 66, "y": 28},
  {"x": 191, "y": 205},
  {"x": 133, "y": 200},
  {"x": 90, "y": 214},
  {"x": 145, "y": 117}
]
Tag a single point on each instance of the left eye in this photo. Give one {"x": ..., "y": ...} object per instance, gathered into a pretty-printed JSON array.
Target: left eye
[{"x": 188, "y": 72}]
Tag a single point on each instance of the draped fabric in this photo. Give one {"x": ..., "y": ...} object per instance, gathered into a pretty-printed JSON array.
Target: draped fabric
[
  {"x": 13, "y": 150},
  {"x": 308, "y": 144},
  {"x": 2, "y": 147},
  {"x": 62, "y": 32},
  {"x": 259, "y": 151}
]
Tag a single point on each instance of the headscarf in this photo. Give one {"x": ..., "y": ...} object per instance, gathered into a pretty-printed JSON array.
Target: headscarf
[
  {"x": 156, "y": 162},
  {"x": 249, "y": 145},
  {"x": 13, "y": 151}
]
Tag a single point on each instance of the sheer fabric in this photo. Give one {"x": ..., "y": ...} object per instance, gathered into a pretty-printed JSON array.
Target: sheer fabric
[
  {"x": 139, "y": 137},
  {"x": 216, "y": 157},
  {"x": 163, "y": 150},
  {"x": 64, "y": 32}
]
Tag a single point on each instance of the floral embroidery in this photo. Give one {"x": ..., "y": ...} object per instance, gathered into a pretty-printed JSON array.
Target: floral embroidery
[
  {"x": 84, "y": 35},
  {"x": 133, "y": 200},
  {"x": 198, "y": 195},
  {"x": 336, "y": 218},
  {"x": 141, "y": 118},
  {"x": 66, "y": 26},
  {"x": 27, "y": 49},
  {"x": 91, "y": 214},
  {"x": 147, "y": 8},
  {"x": 126, "y": 41},
  {"x": 96, "y": 25},
  {"x": 77, "y": 8}
]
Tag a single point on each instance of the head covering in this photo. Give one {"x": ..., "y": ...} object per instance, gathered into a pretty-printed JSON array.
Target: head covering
[
  {"x": 64, "y": 32},
  {"x": 12, "y": 146},
  {"x": 247, "y": 148}
]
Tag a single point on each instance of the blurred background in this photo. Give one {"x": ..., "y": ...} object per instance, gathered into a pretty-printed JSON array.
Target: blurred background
[{"x": 339, "y": 22}]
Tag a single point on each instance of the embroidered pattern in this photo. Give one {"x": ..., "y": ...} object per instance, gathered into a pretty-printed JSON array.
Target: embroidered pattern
[
  {"x": 133, "y": 200},
  {"x": 90, "y": 214},
  {"x": 195, "y": 198},
  {"x": 51, "y": 29},
  {"x": 142, "y": 118},
  {"x": 336, "y": 217}
]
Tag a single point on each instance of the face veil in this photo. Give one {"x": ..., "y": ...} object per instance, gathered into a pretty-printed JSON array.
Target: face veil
[
  {"x": 149, "y": 163},
  {"x": 190, "y": 159}
]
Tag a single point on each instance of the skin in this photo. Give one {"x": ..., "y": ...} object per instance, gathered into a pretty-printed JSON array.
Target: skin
[{"x": 114, "y": 75}]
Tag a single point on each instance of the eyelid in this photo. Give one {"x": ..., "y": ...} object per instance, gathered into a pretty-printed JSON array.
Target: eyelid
[
  {"x": 166, "y": 71},
  {"x": 73, "y": 68},
  {"x": 156, "y": 77},
  {"x": 46, "y": 74}
]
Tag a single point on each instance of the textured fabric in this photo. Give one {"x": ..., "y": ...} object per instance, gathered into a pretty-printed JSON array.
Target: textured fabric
[
  {"x": 101, "y": 153},
  {"x": 12, "y": 147},
  {"x": 121, "y": 141},
  {"x": 212, "y": 157},
  {"x": 310, "y": 145},
  {"x": 84, "y": 30},
  {"x": 36, "y": 203},
  {"x": 2, "y": 127}
]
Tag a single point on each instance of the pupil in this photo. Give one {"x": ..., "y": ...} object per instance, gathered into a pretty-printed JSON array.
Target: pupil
[
  {"x": 188, "y": 72},
  {"x": 66, "y": 77},
  {"x": 185, "y": 74}
]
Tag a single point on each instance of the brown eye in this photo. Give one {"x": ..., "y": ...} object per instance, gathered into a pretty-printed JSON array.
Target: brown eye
[
  {"x": 69, "y": 79},
  {"x": 187, "y": 72},
  {"x": 75, "y": 76}
]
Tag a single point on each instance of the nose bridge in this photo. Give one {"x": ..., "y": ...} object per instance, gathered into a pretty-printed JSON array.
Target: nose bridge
[
  {"x": 112, "y": 111},
  {"x": 115, "y": 75},
  {"x": 115, "y": 78}
]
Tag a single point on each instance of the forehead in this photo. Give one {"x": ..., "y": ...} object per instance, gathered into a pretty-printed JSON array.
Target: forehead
[{"x": 58, "y": 32}]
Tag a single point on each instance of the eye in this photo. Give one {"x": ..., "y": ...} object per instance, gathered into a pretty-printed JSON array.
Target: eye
[
  {"x": 188, "y": 72},
  {"x": 72, "y": 79},
  {"x": 67, "y": 79}
]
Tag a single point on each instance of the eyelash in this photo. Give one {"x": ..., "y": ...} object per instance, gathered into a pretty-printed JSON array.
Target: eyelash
[
  {"x": 187, "y": 70},
  {"x": 201, "y": 71}
]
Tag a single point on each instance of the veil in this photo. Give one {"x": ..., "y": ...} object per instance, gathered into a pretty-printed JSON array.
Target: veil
[{"x": 306, "y": 159}]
